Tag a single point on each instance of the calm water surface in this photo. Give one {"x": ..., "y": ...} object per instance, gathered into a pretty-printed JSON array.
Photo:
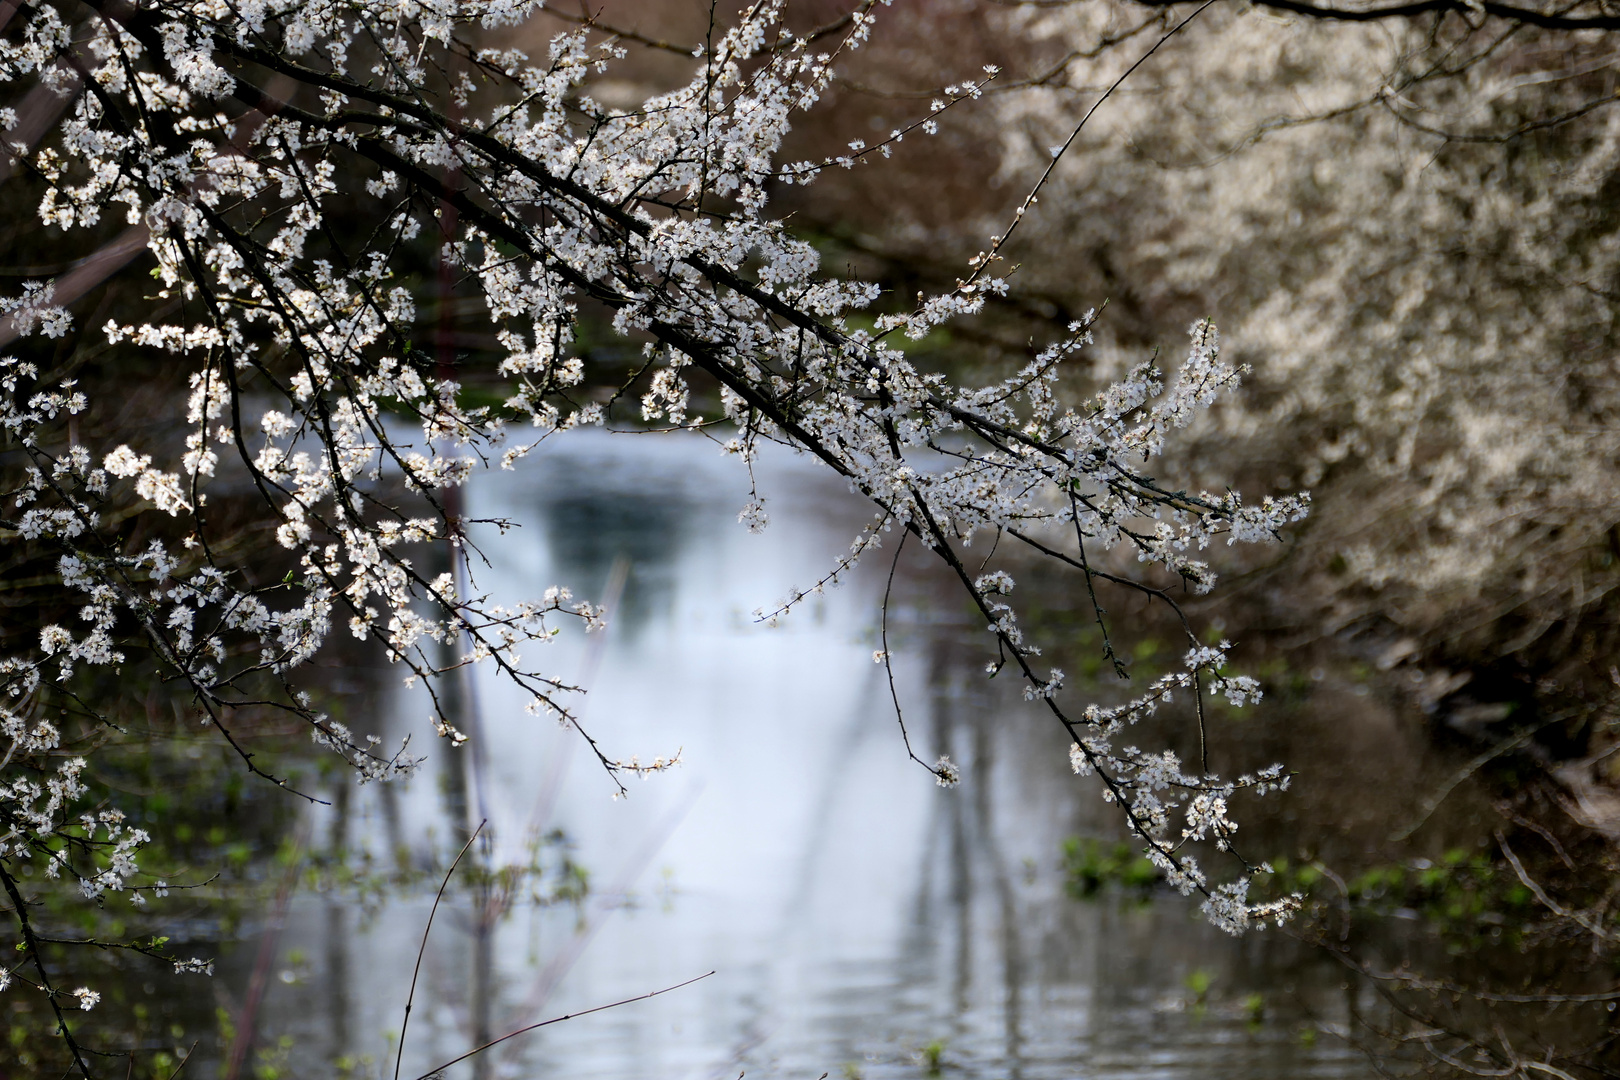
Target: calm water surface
[{"x": 853, "y": 913}]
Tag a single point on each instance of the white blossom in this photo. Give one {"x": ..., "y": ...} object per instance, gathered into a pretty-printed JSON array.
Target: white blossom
[{"x": 345, "y": 405}]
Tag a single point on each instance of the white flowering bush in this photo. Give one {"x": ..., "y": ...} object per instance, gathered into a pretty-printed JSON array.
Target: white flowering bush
[
  {"x": 1405, "y": 219},
  {"x": 290, "y": 163}
]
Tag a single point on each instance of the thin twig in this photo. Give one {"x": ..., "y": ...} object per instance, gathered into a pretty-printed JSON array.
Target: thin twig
[
  {"x": 1483, "y": 758},
  {"x": 1203, "y": 732},
  {"x": 21, "y": 911},
  {"x": 1029, "y": 200},
  {"x": 557, "y": 1020},
  {"x": 1547, "y": 20},
  {"x": 1541, "y": 830},
  {"x": 888, "y": 665},
  {"x": 410, "y": 999},
  {"x": 183, "y": 1061},
  {"x": 1091, "y": 592},
  {"x": 1547, "y": 901}
]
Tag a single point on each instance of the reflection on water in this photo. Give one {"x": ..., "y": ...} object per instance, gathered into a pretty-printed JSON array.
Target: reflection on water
[
  {"x": 859, "y": 920},
  {"x": 587, "y": 533}
]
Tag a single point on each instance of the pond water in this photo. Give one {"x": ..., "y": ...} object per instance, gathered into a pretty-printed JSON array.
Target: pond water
[{"x": 858, "y": 920}]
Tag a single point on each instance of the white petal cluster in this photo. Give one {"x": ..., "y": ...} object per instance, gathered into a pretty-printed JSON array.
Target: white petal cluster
[{"x": 302, "y": 353}]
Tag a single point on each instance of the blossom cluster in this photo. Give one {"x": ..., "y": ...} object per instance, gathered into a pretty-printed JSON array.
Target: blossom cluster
[
  {"x": 1329, "y": 175},
  {"x": 301, "y": 349}
]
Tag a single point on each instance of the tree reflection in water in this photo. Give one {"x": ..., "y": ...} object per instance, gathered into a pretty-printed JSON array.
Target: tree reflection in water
[{"x": 861, "y": 921}]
